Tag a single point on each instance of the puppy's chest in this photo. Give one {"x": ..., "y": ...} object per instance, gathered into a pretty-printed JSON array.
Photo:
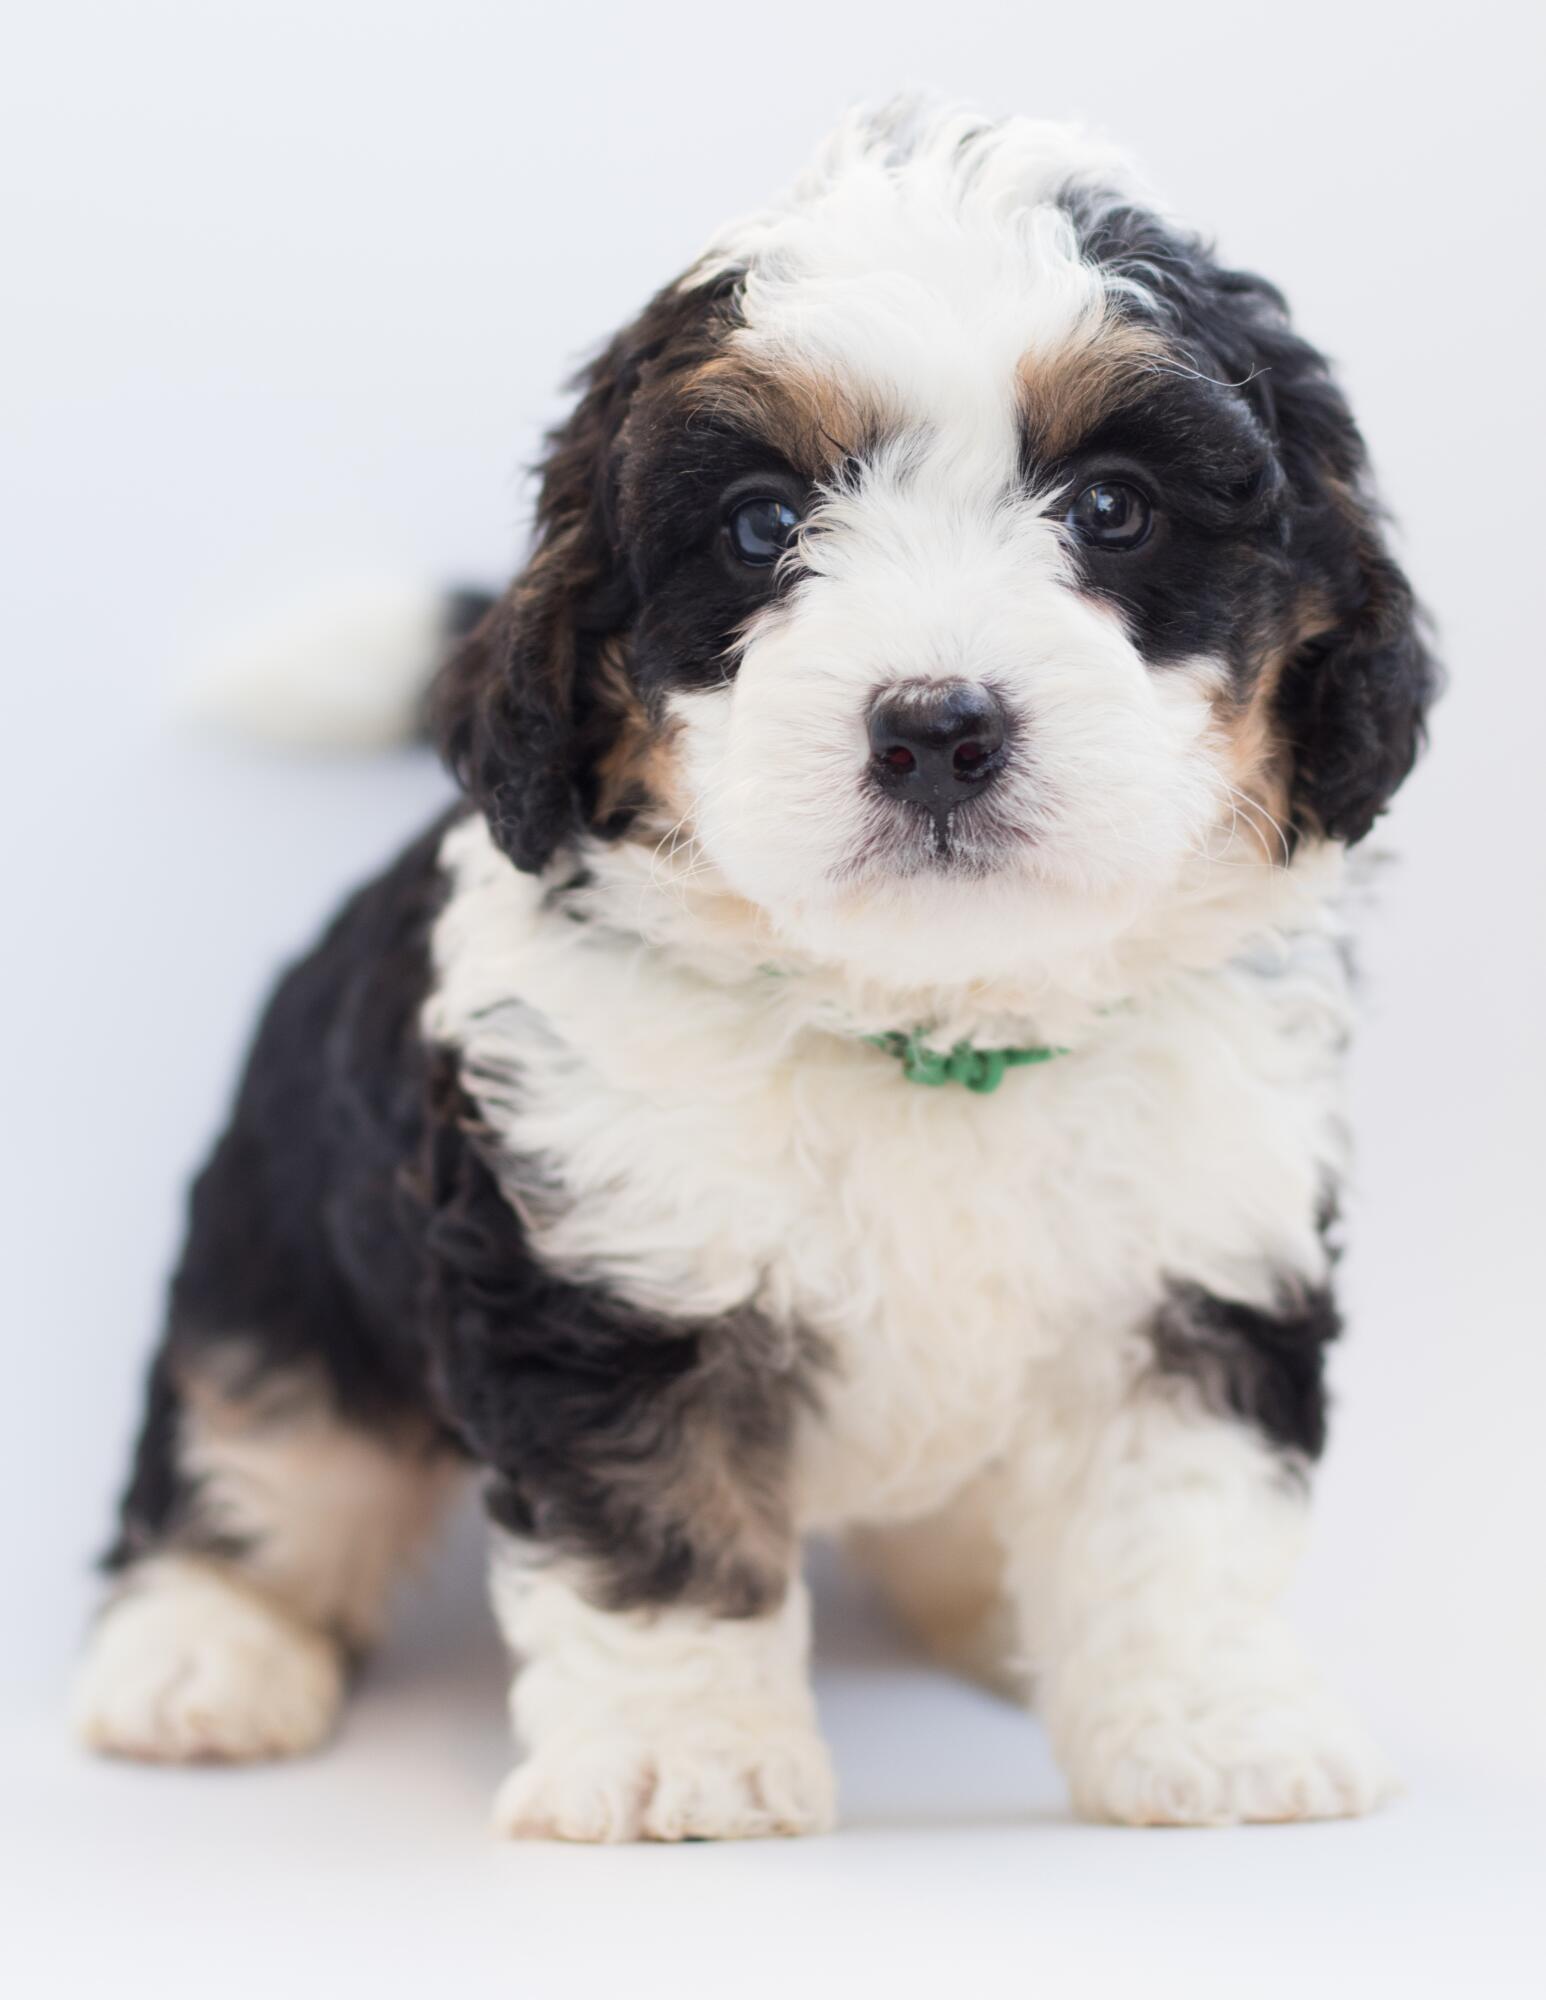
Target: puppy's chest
[{"x": 950, "y": 1256}]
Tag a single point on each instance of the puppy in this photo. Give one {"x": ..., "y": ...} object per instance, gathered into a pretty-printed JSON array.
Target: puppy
[{"x": 862, "y": 1056}]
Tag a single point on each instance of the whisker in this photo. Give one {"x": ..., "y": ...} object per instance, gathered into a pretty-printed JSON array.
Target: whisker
[{"x": 1256, "y": 807}]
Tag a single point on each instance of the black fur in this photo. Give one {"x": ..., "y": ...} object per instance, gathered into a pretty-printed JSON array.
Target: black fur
[
  {"x": 1263, "y": 479},
  {"x": 527, "y": 706},
  {"x": 295, "y": 1259},
  {"x": 1214, "y": 575},
  {"x": 655, "y": 1447},
  {"x": 1266, "y": 1366},
  {"x": 349, "y": 1238},
  {"x": 160, "y": 1504}
]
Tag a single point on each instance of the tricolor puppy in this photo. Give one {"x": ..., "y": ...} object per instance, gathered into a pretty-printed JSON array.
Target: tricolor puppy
[{"x": 863, "y": 1055}]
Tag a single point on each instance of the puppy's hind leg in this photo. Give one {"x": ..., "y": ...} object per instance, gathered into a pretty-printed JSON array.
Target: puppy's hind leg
[
  {"x": 944, "y": 1577},
  {"x": 259, "y": 1540}
]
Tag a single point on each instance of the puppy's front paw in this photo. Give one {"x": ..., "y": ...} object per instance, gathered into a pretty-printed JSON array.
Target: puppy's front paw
[
  {"x": 687, "y": 1781},
  {"x": 187, "y": 1667},
  {"x": 1178, "y": 1755}
]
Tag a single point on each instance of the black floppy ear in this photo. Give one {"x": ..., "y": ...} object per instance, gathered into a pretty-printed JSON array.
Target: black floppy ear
[
  {"x": 508, "y": 708},
  {"x": 526, "y": 706},
  {"x": 1353, "y": 700},
  {"x": 1353, "y": 697},
  {"x": 504, "y": 712}
]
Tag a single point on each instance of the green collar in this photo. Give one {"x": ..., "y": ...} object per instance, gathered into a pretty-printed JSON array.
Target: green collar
[{"x": 981, "y": 1070}]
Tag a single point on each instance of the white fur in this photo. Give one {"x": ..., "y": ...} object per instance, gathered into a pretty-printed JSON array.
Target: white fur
[
  {"x": 192, "y": 1658},
  {"x": 187, "y": 1664},
  {"x": 920, "y": 267},
  {"x": 655, "y": 1725},
  {"x": 721, "y": 1141},
  {"x": 343, "y": 670},
  {"x": 942, "y": 214},
  {"x": 1125, "y": 1564},
  {"x": 1147, "y": 1546}
]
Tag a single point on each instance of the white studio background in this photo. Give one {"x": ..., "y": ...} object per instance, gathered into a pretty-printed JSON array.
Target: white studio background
[{"x": 286, "y": 295}]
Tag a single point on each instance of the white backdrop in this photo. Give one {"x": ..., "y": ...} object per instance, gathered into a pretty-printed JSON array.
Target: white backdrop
[{"x": 287, "y": 292}]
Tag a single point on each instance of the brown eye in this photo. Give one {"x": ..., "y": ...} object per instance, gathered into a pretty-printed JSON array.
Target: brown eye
[
  {"x": 761, "y": 528},
  {"x": 1111, "y": 516}
]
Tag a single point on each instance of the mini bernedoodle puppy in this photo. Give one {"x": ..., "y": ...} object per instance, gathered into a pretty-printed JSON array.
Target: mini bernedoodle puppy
[{"x": 863, "y": 1054}]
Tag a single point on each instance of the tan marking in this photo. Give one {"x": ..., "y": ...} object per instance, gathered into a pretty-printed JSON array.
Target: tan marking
[
  {"x": 943, "y": 1575},
  {"x": 638, "y": 769},
  {"x": 326, "y": 1514},
  {"x": 1258, "y": 762},
  {"x": 732, "y": 1511},
  {"x": 805, "y": 416},
  {"x": 1067, "y": 393}
]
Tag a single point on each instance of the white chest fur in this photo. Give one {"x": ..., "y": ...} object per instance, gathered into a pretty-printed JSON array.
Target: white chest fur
[{"x": 963, "y": 1257}]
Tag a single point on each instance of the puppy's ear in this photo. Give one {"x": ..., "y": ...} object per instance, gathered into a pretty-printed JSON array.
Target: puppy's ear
[
  {"x": 524, "y": 709},
  {"x": 1353, "y": 697},
  {"x": 1353, "y": 694},
  {"x": 506, "y": 708}
]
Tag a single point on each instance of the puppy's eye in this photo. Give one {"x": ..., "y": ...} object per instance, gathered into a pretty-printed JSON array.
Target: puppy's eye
[
  {"x": 760, "y": 529},
  {"x": 1111, "y": 516}
]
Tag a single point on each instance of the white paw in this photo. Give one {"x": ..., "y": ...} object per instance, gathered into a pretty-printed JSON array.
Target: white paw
[
  {"x": 186, "y": 1666},
  {"x": 688, "y": 1781},
  {"x": 1224, "y": 1757}
]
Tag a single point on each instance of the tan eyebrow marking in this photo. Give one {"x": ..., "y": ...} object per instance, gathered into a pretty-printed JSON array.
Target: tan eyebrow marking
[
  {"x": 805, "y": 415},
  {"x": 1065, "y": 394}
]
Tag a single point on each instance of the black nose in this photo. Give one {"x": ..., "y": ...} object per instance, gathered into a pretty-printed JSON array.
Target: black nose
[{"x": 937, "y": 742}]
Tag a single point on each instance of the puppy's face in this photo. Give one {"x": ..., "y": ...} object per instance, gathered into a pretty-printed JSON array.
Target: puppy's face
[{"x": 952, "y": 566}]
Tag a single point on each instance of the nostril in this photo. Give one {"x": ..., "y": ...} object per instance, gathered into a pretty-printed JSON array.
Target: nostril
[
  {"x": 899, "y": 759},
  {"x": 970, "y": 758}
]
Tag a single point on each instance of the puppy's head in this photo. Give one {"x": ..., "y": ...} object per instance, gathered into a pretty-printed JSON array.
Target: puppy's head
[{"x": 955, "y": 562}]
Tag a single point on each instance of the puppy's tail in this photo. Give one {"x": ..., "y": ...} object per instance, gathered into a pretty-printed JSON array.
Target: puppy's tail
[{"x": 350, "y": 670}]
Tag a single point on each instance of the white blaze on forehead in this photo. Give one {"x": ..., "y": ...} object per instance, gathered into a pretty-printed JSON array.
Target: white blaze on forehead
[{"x": 919, "y": 269}]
